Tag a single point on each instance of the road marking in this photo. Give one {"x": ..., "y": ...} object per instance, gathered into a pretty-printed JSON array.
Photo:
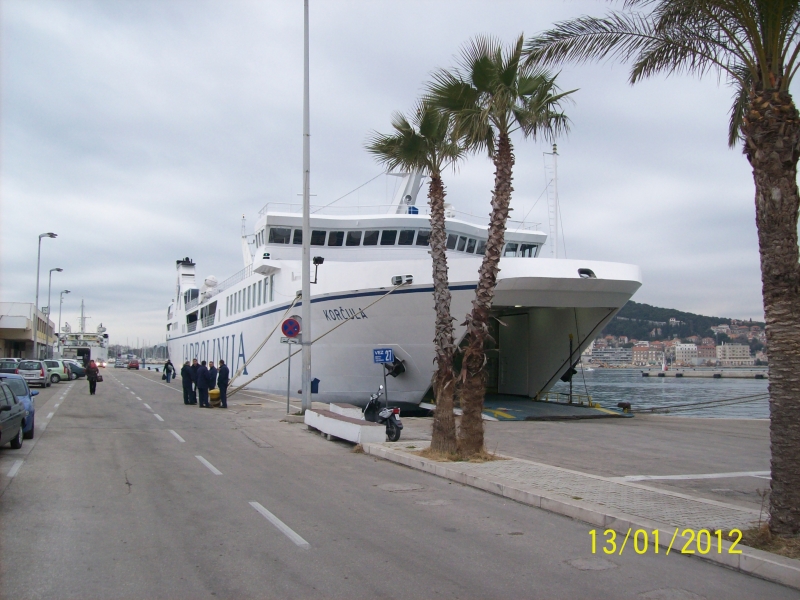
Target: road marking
[
  {"x": 137, "y": 397},
  {"x": 55, "y": 406},
  {"x": 211, "y": 467},
  {"x": 132, "y": 392},
  {"x": 282, "y": 527},
  {"x": 177, "y": 437},
  {"x": 158, "y": 417},
  {"x": 42, "y": 427},
  {"x": 17, "y": 464},
  {"x": 759, "y": 474},
  {"x": 148, "y": 406},
  {"x": 50, "y": 416}
]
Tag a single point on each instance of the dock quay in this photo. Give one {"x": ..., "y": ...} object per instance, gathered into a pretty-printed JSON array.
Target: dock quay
[{"x": 709, "y": 373}]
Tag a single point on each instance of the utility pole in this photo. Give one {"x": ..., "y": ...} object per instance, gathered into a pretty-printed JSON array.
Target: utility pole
[
  {"x": 49, "y": 287},
  {"x": 60, "y": 303},
  {"x": 306, "y": 269},
  {"x": 36, "y": 305}
]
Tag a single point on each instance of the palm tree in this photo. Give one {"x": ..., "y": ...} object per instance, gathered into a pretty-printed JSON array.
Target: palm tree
[
  {"x": 426, "y": 143},
  {"x": 755, "y": 45},
  {"x": 491, "y": 94}
]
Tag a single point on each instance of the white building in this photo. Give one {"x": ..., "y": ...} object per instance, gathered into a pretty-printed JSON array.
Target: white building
[
  {"x": 734, "y": 355},
  {"x": 685, "y": 353},
  {"x": 17, "y": 326}
]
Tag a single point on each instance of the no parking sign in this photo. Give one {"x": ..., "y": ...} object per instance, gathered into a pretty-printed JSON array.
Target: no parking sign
[{"x": 291, "y": 327}]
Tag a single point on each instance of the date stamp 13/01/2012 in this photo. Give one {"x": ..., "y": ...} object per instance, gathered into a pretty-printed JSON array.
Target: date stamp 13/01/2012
[{"x": 693, "y": 541}]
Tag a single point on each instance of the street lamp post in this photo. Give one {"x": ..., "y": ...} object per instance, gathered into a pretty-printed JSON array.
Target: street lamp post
[
  {"x": 36, "y": 306},
  {"x": 60, "y": 302},
  {"x": 49, "y": 287}
]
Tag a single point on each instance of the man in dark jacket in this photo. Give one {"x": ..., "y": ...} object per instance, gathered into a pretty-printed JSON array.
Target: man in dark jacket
[
  {"x": 195, "y": 366},
  {"x": 202, "y": 385},
  {"x": 212, "y": 375},
  {"x": 222, "y": 382},
  {"x": 186, "y": 379}
]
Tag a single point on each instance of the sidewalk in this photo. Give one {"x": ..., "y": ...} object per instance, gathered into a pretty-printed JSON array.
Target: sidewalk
[{"x": 605, "y": 503}]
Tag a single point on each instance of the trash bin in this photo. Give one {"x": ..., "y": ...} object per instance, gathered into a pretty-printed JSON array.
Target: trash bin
[{"x": 315, "y": 386}]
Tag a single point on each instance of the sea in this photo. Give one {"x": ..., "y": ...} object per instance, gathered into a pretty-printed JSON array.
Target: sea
[{"x": 724, "y": 398}]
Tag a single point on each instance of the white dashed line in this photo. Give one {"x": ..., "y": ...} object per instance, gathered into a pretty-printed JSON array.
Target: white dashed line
[
  {"x": 132, "y": 392},
  {"x": 148, "y": 406},
  {"x": 55, "y": 406},
  {"x": 15, "y": 467},
  {"x": 158, "y": 417},
  {"x": 177, "y": 437},
  {"x": 42, "y": 427},
  {"x": 137, "y": 397},
  {"x": 50, "y": 416},
  {"x": 282, "y": 527},
  {"x": 211, "y": 467}
]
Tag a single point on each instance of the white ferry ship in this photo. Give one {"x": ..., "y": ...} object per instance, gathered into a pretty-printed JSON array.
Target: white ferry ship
[
  {"x": 543, "y": 307},
  {"x": 83, "y": 345}
]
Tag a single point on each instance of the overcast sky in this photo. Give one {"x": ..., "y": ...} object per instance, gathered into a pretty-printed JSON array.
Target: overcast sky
[{"x": 140, "y": 132}]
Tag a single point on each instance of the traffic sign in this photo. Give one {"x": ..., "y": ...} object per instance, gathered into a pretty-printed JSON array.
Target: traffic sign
[
  {"x": 382, "y": 355},
  {"x": 288, "y": 340},
  {"x": 291, "y": 327}
]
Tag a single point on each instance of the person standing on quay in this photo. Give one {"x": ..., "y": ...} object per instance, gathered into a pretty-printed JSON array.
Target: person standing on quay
[
  {"x": 195, "y": 366},
  {"x": 222, "y": 382},
  {"x": 169, "y": 370},
  {"x": 91, "y": 375},
  {"x": 202, "y": 385},
  {"x": 212, "y": 376},
  {"x": 186, "y": 378}
]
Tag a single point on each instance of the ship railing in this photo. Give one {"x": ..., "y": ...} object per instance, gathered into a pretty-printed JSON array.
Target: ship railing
[
  {"x": 191, "y": 304},
  {"x": 563, "y": 398},
  {"x": 191, "y": 326},
  {"x": 382, "y": 209},
  {"x": 209, "y": 320},
  {"x": 235, "y": 278}
]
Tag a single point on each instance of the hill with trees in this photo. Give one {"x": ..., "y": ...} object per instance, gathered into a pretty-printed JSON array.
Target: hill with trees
[{"x": 640, "y": 321}]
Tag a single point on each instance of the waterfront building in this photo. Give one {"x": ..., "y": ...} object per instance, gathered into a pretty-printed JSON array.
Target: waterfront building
[
  {"x": 20, "y": 325},
  {"x": 616, "y": 357},
  {"x": 734, "y": 355},
  {"x": 642, "y": 356},
  {"x": 685, "y": 353}
]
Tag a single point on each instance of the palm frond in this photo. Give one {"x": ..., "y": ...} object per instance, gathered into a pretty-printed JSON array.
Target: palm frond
[{"x": 741, "y": 103}]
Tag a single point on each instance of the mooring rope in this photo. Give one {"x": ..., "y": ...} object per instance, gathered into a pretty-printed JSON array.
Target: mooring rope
[{"x": 706, "y": 403}]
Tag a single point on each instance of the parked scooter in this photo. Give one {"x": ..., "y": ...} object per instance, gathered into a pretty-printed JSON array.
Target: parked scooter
[{"x": 391, "y": 416}]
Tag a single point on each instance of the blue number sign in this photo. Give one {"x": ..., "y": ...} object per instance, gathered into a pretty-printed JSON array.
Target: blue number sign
[{"x": 382, "y": 355}]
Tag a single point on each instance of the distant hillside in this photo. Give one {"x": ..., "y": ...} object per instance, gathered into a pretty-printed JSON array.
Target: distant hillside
[{"x": 638, "y": 320}]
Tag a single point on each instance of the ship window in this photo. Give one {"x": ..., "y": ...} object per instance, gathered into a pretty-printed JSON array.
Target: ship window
[
  {"x": 406, "y": 237},
  {"x": 318, "y": 238},
  {"x": 271, "y": 287},
  {"x": 388, "y": 237},
  {"x": 279, "y": 235},
  {"x": 423, "y": 237},
  {"x": 481, "y": 249},
  {"x": 462, "y": 243},
  {"x": 336, "y": 238},
  {"x": 511, "y": 249},
  {"x": 452, "y": 239},
  {"x": 471, "y": 245},
  {"x": 527, "y": 250},
  {"x": 353, "y": 238},
  {"x": 371, "y": 238},
  {"x": 297, "y": 238},
  {"x": 248, "y": 297},
  {"x": 259, "y": 293}
]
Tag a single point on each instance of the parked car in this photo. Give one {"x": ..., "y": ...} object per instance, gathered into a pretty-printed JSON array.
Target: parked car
[
  {"x": 76, "y": 368},
  {"x": 34, "y": 372},
  {"x": 57, "y": 370},
  {"x": 134, "y": 364},
  {"x": 25, "y": 395},
  {"x": 12, "y": 414},
  {"x": 120, "y": 364},
  {"x": 101, "y": 363},
  {"x": 8, "y": 366}
]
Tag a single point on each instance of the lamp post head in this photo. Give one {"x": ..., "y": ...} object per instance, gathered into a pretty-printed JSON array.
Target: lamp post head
[
  {"x": 49, "y": 234},
  {"x": 65, "y": 291},
  {"x": 59, "y": 269}
]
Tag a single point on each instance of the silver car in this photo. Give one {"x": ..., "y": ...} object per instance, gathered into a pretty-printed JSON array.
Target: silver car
[{"x": 34, "y": 372}]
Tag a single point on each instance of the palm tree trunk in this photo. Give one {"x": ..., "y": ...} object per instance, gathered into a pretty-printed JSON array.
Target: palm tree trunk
[
  {"x": 772, "y": 145},
  {"x": 473, "y": 372},
  {"x": 443, "y": 437}
]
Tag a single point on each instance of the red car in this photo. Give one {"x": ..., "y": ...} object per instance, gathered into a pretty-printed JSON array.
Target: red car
[{"x": 134, "y": 364}]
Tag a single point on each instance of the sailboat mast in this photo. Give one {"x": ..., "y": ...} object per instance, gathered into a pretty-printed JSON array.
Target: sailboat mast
[
  {"x": 83, "y": 319},
  {"x": 306, "y": 270}
]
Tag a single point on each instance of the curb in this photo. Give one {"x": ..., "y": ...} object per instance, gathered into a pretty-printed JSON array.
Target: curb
[
  {"x": 754, "y": 562},
  {"x": 294, "y": 419}
]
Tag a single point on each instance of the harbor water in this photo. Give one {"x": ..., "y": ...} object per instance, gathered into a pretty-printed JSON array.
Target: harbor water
[{"x": 725, "y": 398}]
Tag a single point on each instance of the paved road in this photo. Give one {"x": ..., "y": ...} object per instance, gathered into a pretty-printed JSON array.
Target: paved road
[{"x": 112, "y": 501}]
